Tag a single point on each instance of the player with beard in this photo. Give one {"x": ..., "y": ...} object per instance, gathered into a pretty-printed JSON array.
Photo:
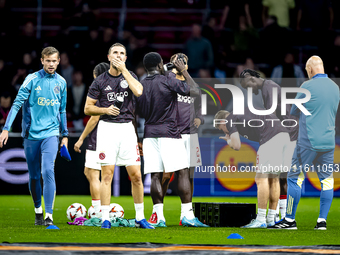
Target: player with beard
[
  {"x": 271, "y": 160},
  {"x": 163, "y": 147},
  {"x": 189, "y": 119},
  {"x": 252, "y": 79},
  {"x": 116, "y": 138}
]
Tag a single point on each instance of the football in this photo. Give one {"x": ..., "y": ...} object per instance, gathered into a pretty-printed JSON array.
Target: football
[
  {"x": 75, "y": 210},
  {"x": 92, "y": 214},
  {"x": 116, "y": 211}
]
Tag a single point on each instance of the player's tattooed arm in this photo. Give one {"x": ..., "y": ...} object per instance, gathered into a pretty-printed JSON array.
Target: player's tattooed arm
[
  {"x": 135, "y": 86},
  {"x": 93, "y": 110}
]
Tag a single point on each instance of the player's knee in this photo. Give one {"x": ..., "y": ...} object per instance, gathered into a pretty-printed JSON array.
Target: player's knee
[
  {"x": 48, "y": 175},
  {"x": 184, "y": 173},
  {"x": 156, "y": 176},
  {"x": 35, "y": 178},
  {"x": 136, "y": 178},
  {"x": 107, "y": 179}
]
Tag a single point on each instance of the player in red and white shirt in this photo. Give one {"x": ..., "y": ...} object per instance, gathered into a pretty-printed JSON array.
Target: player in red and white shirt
[{"x": 116, "y": 140}]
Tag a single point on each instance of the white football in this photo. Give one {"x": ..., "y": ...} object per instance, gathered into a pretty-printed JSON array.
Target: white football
[
  {"x": 116, "y": 211},
  {"x": 75, "y": 210},
  {"x": 92, "y": 214}
]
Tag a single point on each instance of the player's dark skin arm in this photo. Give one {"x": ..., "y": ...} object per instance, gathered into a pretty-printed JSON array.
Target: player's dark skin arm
[{"x": 181, "y": 68}]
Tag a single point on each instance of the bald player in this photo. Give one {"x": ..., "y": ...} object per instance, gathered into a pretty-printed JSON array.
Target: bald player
[{"x": 315, "y": 144}]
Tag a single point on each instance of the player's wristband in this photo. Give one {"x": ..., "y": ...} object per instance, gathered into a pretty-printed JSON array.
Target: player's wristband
[{"x": 229, "y": 141}]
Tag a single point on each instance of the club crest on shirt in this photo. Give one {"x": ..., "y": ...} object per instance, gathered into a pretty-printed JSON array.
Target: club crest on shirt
[
  {"x": 124, "y": 84},
  {"x": 56, "y": 89}
]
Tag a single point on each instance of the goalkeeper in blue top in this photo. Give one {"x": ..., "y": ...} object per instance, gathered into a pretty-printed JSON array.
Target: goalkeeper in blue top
[
  {"x": 315, "y": 145},
  {"x": 43, "y": 98}
]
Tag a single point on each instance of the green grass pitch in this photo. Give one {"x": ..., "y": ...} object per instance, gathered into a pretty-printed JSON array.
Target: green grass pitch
[{"x": 17, "y": 225}]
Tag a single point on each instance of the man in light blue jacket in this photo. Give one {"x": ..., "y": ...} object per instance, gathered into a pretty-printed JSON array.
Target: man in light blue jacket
[
  {"x": 315, "y": 146},
  {"x": 43, "y": 98}
]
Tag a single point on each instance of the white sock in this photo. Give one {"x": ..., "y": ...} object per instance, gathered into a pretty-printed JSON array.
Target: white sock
[
  {"x": 289, "y": 219},
  {"x": 96, "y": 205},
  {"x": 277, "y": 211},
  {"x": 283, "y": 206},
  {"x": 182, "y": 213},
  {"x": 321, "y": 219},
  {"x": 159, "y": 211},
  {"x": 38, "y": 210},
  {"x": 139, "y": 208},
  {"x": 48, "y": 215},
  {"x": 271, "y": 215},
  {"x": 105, "y": 212},
  {"x": 261, "y": 215},
  {"x": 187, "y": 211}
]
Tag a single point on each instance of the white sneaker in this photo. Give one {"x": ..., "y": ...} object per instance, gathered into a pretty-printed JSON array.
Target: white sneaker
[
  {"x": 255, "y": 224},
  {"x": 277, "y": 217},
  {"x": 270, "y": 224}
]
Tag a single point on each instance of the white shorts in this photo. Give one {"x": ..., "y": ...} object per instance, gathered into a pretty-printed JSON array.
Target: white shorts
[
  {"x": 91, "y": 160},
  {"x": 274, "y": 156},
  {"x": 164, "y": 154},
  {"x": 117, "y": 144},
  {"x": 193, "y": 149}
]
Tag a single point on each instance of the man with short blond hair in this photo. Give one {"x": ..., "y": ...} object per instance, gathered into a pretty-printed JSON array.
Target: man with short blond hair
[{"x": 43, "y": 97}]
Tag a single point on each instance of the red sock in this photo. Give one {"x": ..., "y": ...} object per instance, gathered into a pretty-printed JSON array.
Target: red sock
[{"x": 283, "y": 196}]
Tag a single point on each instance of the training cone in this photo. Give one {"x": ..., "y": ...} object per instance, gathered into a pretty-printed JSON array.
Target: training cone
[
  {"x": 234, "y": 236},
  {"x": 52, "y": 227}
]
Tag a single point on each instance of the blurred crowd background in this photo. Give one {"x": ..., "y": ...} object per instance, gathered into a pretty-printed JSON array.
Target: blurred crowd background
[{"x": 220, "y": 37}]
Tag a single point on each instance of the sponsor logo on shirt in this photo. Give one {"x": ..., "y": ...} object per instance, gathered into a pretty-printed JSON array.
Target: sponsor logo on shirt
[
  {"x": 47, "y": 102},
  {"x": 185, "y": 99},
  {"x": 112, "y": 95}
]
